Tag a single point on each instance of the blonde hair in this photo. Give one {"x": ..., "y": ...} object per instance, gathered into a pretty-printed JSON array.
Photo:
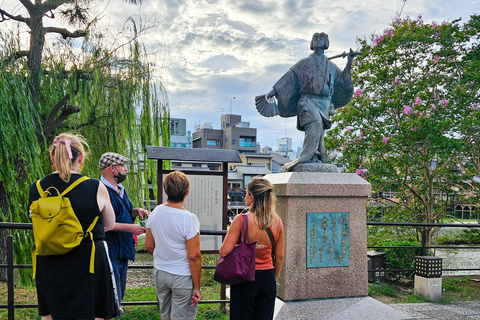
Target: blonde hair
[
  {"x": 176, "y": 184},
  {"x": 263, "y": 204},
  {"x": 61, "y": 158}
]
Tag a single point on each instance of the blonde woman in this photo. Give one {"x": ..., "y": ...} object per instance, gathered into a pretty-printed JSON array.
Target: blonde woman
[
  {"x": 65, "y": 287},
  {"x": 256, "y": 300}
]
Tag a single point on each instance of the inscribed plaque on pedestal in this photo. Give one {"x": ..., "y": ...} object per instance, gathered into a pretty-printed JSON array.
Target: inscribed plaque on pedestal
[{"x": 328, "y": 242}]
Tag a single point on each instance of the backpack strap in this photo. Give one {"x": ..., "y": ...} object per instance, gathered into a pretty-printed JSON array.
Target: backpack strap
[
  {"x": 272, "y": 241},
  {"x": 89, "y": 233},
  {"x": 74, "y": 184},
  {"x": 40, "y": 190}
]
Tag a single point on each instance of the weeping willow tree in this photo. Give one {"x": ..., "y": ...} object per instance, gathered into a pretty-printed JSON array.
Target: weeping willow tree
[{"x": 83, "y": 82}]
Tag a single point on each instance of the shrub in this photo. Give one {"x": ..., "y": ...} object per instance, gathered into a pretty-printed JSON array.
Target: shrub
[{"x": 399, "y": 258}]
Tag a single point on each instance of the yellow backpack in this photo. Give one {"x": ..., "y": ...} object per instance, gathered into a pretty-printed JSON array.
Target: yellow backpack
[{"x": 56, "y": 228}]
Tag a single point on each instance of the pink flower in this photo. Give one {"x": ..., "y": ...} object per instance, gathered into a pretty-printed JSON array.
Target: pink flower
[
  {"x": 358, "y": 93},
  {"x": 433, "y": 107},
  {"x": 343, "y": 147},
  {"x": 435, "y": 36},
  {"x": 420, "y": 17},
  {"x": 360, "y": 172},
  {"x": 389, "y": 100},
  {"x": 407, "y": 109},
  {"x": 397, "y": 80},
  {"x": 434, "y": 25},
  {"x": 415, "y": 128},
  {"x": 418, "y": 101},
  {"x": 385, "y": 139},
  {"x": 420, "y": 115},
  {"x": 469, "y": 116},
  {"x": 348, "y": 129},
  {"x": 436, "y": 59},
  {"x": 444, "y": 102},
  {"x": 361, "y": 136},
  {"x": 473, "y": 107}
]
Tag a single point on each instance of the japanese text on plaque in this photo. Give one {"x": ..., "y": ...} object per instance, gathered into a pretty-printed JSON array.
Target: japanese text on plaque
[{"x": 327, "y": 239}]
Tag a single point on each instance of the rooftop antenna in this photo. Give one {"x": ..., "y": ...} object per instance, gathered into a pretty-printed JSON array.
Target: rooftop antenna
[
  {"x": 401, "y": 10},
  {"x": 231, "y": 105}
]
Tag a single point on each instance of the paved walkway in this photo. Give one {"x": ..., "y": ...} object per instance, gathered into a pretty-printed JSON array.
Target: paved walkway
[{"x": 454, "y": 311}]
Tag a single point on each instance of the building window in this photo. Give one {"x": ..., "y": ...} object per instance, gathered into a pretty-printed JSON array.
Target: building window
[
  {"x": 247, "y": 142},
  {"x": 213, "y": 143},
  {"x": 233, "y": 141}
]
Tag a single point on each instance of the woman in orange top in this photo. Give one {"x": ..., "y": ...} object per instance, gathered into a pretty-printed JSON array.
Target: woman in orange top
[{"x": 256, "y": 300}]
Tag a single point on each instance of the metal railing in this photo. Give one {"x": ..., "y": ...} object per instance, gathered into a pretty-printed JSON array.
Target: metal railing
[
  {"x": 10, "y": 266},
  {"x": 423, "y": 247}
]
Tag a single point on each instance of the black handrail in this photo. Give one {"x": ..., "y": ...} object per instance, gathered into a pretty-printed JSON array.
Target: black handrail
[{"x": 11, "y": 266}]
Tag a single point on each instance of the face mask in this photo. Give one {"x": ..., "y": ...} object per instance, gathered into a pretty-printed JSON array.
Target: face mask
[{"x": 119, "y": 178}]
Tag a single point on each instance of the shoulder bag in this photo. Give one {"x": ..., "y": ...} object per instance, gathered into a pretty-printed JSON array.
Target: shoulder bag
[{"x": 239, "y": 265}]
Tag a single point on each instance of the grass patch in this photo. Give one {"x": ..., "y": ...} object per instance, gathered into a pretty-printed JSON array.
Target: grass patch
[
  {"x": 414, "y": 298},
  {"x": 383, "y": 289}
]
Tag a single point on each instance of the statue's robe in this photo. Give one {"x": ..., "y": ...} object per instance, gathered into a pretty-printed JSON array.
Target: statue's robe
[{"x": 308, "y": 89}]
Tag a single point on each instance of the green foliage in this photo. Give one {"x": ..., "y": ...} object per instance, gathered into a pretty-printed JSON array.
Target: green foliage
[
  {"x": 383, "y": 289},
  {"x": 413, "y": 121},
  {"x": 388, "y": 213},
  {"x": 468, "y": 236},
  {"x": 110, "y": 96},
  {"x": 400, "y": 258},
  {"x": 207, "y": 274},
  {"x": 458, "y": 284},
  {"x": 415, "y": 298}
]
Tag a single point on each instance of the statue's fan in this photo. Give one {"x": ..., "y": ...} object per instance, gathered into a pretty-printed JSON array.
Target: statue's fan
[{"x": 265, "y": 107}]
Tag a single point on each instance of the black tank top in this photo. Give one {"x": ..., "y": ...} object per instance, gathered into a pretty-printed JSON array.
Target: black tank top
[{"x": 83, "y": 199}]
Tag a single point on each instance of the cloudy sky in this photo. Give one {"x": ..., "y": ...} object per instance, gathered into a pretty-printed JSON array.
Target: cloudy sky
[{"x": 214, "y": 50}]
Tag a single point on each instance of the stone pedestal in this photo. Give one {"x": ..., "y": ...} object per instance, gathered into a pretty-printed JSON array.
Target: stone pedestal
[
  {"x": 430, "y": 288},
  {"x": 303, "y": 193}
]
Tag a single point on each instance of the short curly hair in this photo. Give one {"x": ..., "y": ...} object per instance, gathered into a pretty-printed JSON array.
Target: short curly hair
[{"x": 175, "y": 185}]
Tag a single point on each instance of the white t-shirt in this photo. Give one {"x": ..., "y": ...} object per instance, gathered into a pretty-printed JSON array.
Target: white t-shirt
[{"x": 171, "y": 228}]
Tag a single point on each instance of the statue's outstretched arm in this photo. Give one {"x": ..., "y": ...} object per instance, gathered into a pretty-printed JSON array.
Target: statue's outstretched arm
[{"x": 272, "y": 93}]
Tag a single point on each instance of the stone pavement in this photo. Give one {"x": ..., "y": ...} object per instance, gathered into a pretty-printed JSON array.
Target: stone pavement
[{"x": 454, "y": 311}]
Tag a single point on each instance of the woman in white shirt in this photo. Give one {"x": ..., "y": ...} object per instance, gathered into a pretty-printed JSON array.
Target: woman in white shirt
[{"x": 173, "y": 238}]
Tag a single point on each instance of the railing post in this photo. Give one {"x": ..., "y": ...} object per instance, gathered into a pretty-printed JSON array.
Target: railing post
[
  {"x": 10, "y": 287},
  {"x": 424, "y": 240}
]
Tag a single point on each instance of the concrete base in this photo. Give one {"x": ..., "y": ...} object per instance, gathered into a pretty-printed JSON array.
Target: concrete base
[
  {"x": 361, "y": 308},
  {"x": 299, "y": 193},
  {"x": 430, "y": 288}
]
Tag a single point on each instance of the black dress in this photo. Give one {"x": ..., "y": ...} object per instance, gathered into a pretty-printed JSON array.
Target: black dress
[{"x": 65, "y": 287}]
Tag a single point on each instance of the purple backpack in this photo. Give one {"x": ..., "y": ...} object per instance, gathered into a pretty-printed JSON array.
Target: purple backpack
[{"x": 239, "y": 265}]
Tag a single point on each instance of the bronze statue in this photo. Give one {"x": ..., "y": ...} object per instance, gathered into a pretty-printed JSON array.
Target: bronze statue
[{"x": 311, "y": 90}]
